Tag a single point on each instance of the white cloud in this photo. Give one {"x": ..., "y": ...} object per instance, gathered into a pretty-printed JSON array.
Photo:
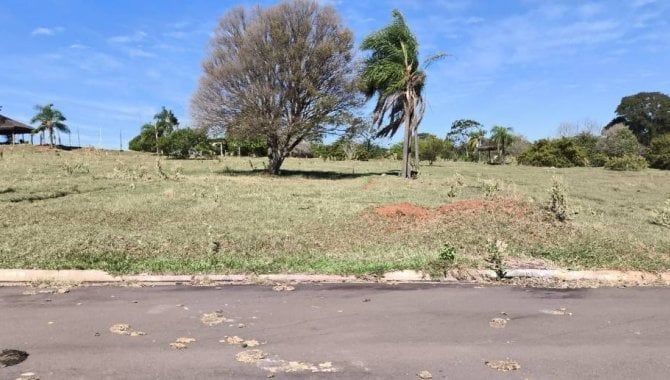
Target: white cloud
[
  {"x": 176, "y": 34},
  {"x": 641, "y": 3},
  {"x": 139, "y": 53},
  {"x": 42, "y": 31},
  {"x": 124, "y": 39}
]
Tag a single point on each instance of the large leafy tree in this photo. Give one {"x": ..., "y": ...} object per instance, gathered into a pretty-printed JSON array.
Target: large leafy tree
[
  {"x": 647, "y": 114},
  {"x": 49, "y": 119},
  {"x": 285, "y": 73},
  {"x": 392, "y": 73},
  {"x": 462, "y": 129}
]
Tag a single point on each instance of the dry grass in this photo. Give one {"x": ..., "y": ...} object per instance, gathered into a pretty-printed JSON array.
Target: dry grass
[{"x": 123, "y": 212}]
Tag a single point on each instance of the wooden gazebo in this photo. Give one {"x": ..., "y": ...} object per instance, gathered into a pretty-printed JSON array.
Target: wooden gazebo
[{"x": 11, "y": 128}]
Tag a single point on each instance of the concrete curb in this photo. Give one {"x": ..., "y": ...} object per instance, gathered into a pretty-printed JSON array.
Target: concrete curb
[{"x": 26, "y": 276}]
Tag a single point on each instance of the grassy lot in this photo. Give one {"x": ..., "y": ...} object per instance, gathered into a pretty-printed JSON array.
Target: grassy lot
[{"x": 124, "y": 212}]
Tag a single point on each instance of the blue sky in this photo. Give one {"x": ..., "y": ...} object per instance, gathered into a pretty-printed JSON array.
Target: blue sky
[{"x": 528, "y": 64}]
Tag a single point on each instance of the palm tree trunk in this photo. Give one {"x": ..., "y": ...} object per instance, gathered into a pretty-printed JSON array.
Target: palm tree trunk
[
  {"x": 416, "y": 148},
  {"x": 51, "y": 137},
  {"x": 405, "y": 148}
]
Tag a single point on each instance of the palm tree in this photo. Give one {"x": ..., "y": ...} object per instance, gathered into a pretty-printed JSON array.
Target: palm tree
[
  {"x": 474, "y": 142},
  {"x": 49, "y": 119},
  {"x": 502, "y": 137},
  {"x": 392, "y": 73},
  {"x": 164, "y": 123}
]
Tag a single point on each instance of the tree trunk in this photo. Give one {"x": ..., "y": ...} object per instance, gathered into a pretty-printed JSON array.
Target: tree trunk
[
  {"x": 51, "y": 137},
  {"x": 156, "y": 128},
  {"x": 405, "y": 150},
  {"x": 416, "y": 148},
  {"x": 275, "y": 160},
  {"x": 503, "y": 151}
]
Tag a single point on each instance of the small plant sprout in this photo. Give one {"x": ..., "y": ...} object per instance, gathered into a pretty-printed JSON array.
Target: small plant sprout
[{"x": 497, "y": 257}]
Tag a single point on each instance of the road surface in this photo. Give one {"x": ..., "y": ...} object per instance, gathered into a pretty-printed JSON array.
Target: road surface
[{"x": 347, "y": 331}]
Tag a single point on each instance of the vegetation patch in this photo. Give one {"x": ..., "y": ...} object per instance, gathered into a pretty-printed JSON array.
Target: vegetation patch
[{"x": 123, "y": 221}]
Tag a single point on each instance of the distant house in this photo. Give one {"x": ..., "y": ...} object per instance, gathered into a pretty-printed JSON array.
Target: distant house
[{"x": 11, "y": 128}]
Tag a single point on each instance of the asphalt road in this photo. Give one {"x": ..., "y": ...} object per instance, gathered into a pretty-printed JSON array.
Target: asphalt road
[{"x": 339, "y": 332}]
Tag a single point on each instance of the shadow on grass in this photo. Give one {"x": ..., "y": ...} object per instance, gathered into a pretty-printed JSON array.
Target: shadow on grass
[
  {"x": 309, "y": 174},
  {"x": 53, "y": 195}
]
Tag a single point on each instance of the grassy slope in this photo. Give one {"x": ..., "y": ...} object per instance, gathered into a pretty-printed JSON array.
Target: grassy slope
[{"x": 112, "y": 211}]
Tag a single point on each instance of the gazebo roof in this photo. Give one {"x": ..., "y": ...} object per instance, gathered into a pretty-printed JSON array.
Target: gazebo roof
[{"x": 12, "y": 127}]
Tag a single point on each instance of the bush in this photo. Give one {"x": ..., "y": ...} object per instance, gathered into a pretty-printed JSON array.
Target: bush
[
  {"x": 144, "y": 142},
  {"x": 180, "y": 143},
  {"x": 588, "y": 142},
  {"x": 658, "y": 154},
  {"x": 559, "y": 153},
  {"x": 395, "y": 151},
  {"x": 430, "y": 148},
  {"x": 369, "y": 151},
  {"x": 619, "y": 142},
  {"x": 626, "y": 163},
  {"x": 598, "y": 159},
  {"x": 558, "y": 199}
]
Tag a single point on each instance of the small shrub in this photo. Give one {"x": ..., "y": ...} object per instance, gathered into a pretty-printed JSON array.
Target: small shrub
[
  {"x": 626, "y": 163},
  {"x": 491, "y": 188},
  {"x": 558, "y": 203},
  {"x": 446, "y": 258},
  {"x": 661, "y": 216},
  {"x": 497, "y": 257},
  {"x": 448, "y": 254}
]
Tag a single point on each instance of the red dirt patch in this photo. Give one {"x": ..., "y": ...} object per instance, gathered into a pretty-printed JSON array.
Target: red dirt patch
[
  {"x": 506, "y": 206},
  {"x": 402, "y": 210}
]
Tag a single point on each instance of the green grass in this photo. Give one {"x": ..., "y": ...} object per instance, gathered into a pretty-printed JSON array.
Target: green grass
[{"x": 114, "y": 211}]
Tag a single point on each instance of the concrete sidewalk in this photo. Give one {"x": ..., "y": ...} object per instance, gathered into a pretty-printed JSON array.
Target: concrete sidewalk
[{"x": 606, "y": 277}]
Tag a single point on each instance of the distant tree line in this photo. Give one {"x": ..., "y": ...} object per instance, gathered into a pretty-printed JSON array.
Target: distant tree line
[
  {"x": 618, "y": 146},
  {"x": 164, "y": 137},
  {"x": 638, "y": 137}
]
